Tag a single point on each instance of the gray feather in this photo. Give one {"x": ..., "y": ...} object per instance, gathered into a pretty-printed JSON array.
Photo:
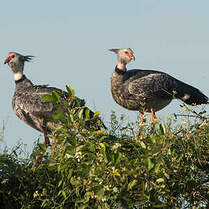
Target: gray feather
[{"x": 149, "y": 89}]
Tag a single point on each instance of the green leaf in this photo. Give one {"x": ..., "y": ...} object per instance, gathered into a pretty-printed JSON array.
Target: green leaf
[
  {"x": 64, "y": 194},
  {"x": 159, "y": 205},
  {"x": 103, "y": 149},
  {"x": 34, "y": 154},
  {"x": 43, "y": 204},
  {"x": 99, "y": 192},
  {"x": 59, "y": 193},
  {"x": 80, "y": 114},
  {"x": 43, "y": 147},
  {"x": 157, "y": 168},
  {"x": 71, "y": 118},
  {"x": 156, "y": 150},
  {"x": 132, "y": 184},
  {"x": 160, "y": 180},
  {"x": 118, "y": 156},
  {"x": 169, "y": 151},
  {"x": 70, "y": 173},
  {"x": 58, "y": 116},
  {"x": 72, "y": 181},
  {"x": 55, "y": 96},
  {"x": 77, "y": 191},
  {"x": 91, "y": 148},
  {"x": 149, "y": 164},
  {"x": 162, "y": 129},
  {"x": 87, "y": 114},
  {"x": 143, "y": 145},
  {"x": 47, "y": 97},
  {"x": 70, "y": 91},
  {"x": 59, "y": 184},
  {"x": 96, "y": 114}
]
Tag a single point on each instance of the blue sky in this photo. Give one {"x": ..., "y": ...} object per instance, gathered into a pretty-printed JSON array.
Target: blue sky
[{"x": 70, "y": 42}]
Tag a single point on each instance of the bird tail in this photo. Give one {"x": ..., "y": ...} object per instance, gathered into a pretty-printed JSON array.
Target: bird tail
[{"x": 191, "y": 95}]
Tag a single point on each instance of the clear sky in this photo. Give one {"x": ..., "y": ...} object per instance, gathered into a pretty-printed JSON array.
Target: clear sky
[{"x": 70, "y": 42}]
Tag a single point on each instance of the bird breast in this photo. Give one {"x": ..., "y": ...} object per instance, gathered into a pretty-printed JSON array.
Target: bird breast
[{"x": 121, "y": 94}]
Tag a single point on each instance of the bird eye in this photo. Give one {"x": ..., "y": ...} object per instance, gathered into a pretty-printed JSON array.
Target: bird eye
[
  {"x": 12, "y": 56},
  {"x": 128, "y": 53}
]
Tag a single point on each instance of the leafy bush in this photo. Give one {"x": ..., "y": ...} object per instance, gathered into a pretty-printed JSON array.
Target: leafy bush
[{"x": 91, "y": 168}]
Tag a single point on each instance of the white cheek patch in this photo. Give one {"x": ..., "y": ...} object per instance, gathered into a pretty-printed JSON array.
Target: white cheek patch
[
  {"x": 185, "y": 97},
  {"x": 17, "y": 76}
]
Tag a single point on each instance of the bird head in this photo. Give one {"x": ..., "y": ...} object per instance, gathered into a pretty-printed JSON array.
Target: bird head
[
  {"x": 124, "y": 55},
  {"x": 16, "y": 61}
]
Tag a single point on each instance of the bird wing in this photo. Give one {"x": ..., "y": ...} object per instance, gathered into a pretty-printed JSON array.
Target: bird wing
[
  {"x": 151, "y": 84},
  {"x": 29, "y": 100},
  {"x": 147, "y": 84}
]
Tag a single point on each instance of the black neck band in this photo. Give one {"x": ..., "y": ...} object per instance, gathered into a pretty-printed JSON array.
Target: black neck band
[
  {"x": 21, "y": 79},
  {"x": 121, "y": 72}
]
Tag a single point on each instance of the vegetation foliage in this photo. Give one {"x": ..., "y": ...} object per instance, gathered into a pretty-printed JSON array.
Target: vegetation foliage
[{"x": 93, "y": 168}]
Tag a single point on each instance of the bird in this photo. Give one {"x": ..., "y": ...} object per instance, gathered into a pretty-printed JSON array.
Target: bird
[
  {"x": 148, "y": 90},
  {"x": 27, "y": 102}
]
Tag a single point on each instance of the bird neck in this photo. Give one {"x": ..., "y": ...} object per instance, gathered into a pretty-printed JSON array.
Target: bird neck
[
  {"x": 18, "y": 76},
  {"x": 21, "y": 79},
  {"x": 121, "y": 66},
  {"x": 17, "y": 69},
  {"x": 120, "y": 71},
  {"x": 23, "y": 82}
]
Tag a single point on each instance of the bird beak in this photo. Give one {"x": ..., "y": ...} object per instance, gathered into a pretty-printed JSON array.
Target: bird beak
[
  {"x": 7, "y": 60},
  {"x": 133, "y": 58},
  {"x": 114, "y": 50}
]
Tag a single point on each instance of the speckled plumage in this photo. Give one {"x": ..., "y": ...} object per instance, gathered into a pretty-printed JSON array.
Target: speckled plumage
[
  {"x": 29, "y": 107},
  {"x": 149, "y": 90},
  {"x": 27, "y": 102}
]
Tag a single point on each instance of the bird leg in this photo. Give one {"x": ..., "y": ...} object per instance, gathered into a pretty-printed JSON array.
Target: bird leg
[
  {"x": 46, "y": 138},
  {"x": 39, "y": 159},
  {"x": 153, "y": 116},
  {"x": 152, "y": 120},
  {"x": 47, "y": 143},
  {"x": 142, "y": 120}
]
